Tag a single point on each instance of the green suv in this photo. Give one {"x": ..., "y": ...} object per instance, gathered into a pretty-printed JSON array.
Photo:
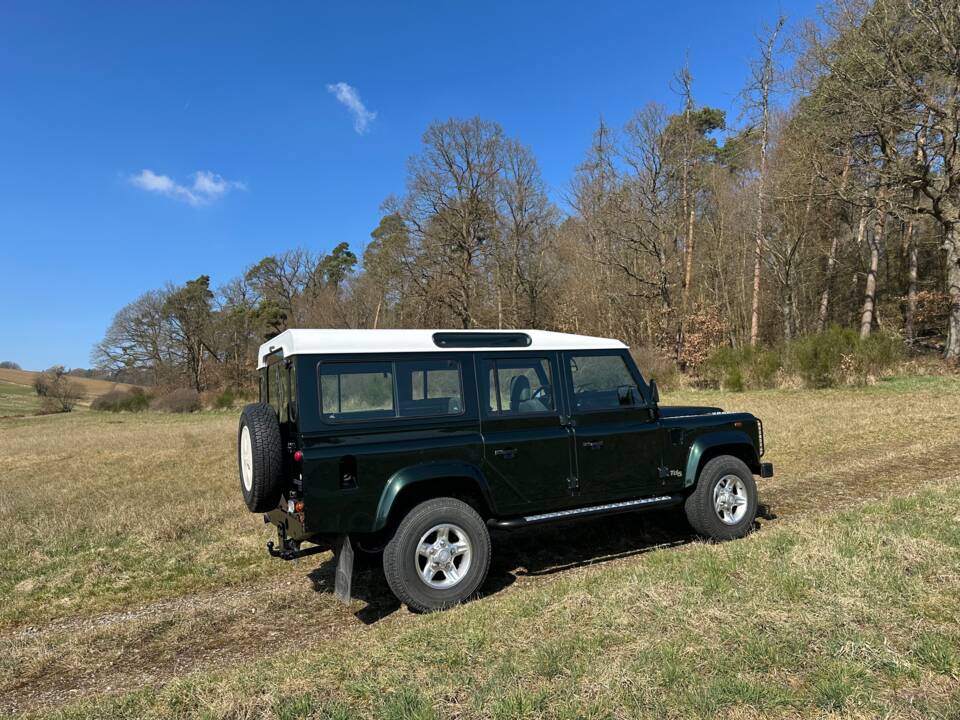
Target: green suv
[{"x": 417, "y": 443}]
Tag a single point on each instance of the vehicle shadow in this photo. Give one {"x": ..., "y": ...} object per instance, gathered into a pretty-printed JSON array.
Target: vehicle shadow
[
  {"x": 534, "y": 552},
  {"x": 550, "y": 549},
  {"x": 369, "y": 586}
]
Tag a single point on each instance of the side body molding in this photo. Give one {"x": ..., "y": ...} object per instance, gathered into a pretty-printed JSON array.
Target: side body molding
[
  {"x": 736, "y": 440},
  {"x": 423, "y": 472}
]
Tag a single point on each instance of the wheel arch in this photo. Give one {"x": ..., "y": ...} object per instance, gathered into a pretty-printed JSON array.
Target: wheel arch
[
  {"x": 413, "y": 485},
  {"x": 706, "y": 447}
]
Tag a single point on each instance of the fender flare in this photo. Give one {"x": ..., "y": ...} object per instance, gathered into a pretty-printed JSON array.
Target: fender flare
[
  {"x": 725, "y": 438},
  {"x": 415, "y": 474}
]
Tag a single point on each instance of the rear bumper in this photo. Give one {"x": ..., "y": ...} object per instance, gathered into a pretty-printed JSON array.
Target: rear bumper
[{"x": 766, "y": 469}]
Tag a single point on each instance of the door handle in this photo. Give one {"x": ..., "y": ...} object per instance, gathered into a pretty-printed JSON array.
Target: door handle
[
  {"x": 595, "y": 445},
  {"x": 506, "y": 453}
]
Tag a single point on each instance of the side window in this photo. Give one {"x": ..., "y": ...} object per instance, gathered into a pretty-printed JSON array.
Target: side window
[
  {"x": 276, "y": 388},
  {"x": 356, "y": 390},
  {"x": 520, "y": 386},
  {"x": 271, "y": 387},
  {"x": 603, "y": 382},
  {"x": 429, "y": 387},
  {"x": 292, "y": 392}
]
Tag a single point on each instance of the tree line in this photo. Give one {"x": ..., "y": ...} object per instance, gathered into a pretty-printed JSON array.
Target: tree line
[{"x": 835, "y": 200}]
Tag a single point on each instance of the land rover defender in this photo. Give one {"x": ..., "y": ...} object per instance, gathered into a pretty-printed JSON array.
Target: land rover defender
[{"x": 419, "y": 442}]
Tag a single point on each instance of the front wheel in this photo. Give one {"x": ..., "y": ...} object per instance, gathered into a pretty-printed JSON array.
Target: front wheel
[
  {"x": 723, "y": 505},
  {"x": 438, "y": 556}
]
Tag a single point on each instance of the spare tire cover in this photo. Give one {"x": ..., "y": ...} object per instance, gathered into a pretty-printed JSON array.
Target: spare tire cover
[{"x": 260, "y": 457}]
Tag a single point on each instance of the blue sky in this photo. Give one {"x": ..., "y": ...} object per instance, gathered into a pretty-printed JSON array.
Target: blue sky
[{"x": 228, "y": 107}]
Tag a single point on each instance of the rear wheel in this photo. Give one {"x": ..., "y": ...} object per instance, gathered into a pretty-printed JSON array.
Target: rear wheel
[
  {"x": 438, "y": 556},
  {"x": 260, "y": 457},
  {"x": 723, "y": 505}
]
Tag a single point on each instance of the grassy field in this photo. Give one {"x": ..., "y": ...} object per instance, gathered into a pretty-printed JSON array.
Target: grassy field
[
  {"x": 17, "y": 399},
  {"x": 16, "y": 387},
  {"x": 134, "y": 584}
]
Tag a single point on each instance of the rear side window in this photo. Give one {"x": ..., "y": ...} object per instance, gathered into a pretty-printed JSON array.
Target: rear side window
[
  {"x": 603, "y": 382},
  {"x": 356, "y": 390},
  {"x": 274, "y": 387},
  {"x": 520, "y": 386},
  {"x": 379, "y": 390},
  {"x": 429, "y": 387}
]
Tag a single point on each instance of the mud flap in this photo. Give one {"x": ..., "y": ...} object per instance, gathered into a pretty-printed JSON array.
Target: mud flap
[{"x": 343, "y": 551}]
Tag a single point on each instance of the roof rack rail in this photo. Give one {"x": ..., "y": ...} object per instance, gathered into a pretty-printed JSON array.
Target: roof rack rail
[{"x": 480, "y": 338}]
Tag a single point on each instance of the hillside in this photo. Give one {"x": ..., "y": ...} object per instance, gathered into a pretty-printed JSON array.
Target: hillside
[{"x": 18, "y": 398}]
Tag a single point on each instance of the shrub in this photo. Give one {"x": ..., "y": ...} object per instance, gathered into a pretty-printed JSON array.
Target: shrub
[
  {"x": 133, "y": 400},
  {"x": 9, "y": 365},
  {"x": 840, "y": 357},
  {"x": 182, "y": 400},
  {"x": 225, "y": 400},
  {"x": 59, "y": 393},
  {"x": 740, "y": 368}
]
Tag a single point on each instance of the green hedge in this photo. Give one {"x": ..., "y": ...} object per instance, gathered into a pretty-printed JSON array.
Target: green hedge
[{"x": 836, "y": 357}]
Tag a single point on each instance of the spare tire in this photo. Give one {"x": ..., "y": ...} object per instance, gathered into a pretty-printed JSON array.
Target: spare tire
[{"x": 260, "y": 456}]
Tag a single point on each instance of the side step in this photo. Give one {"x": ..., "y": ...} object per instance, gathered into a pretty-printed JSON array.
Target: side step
[{"x": 660, "y": 501}]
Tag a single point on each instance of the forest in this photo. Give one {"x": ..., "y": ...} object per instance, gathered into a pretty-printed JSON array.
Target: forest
[{"x": 831, "y": 203}]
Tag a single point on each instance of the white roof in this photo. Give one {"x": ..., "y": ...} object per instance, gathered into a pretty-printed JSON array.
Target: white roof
[{"x": 329, "y": 342}]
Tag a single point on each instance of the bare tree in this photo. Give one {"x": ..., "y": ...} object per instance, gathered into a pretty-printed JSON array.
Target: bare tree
[
  {"x": 138, "y": 338},
  {"x": 761, "y": 86},
  {"x": 450, "y": 212}
]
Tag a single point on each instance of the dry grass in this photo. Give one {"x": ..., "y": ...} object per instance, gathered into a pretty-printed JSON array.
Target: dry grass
[{"x": 130, "y": 560}]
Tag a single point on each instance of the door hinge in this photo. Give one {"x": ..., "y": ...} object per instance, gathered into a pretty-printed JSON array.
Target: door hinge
[{"x": 573, "y": 483}]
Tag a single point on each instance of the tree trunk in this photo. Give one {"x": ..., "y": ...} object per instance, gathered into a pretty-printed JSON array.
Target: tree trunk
[
  {"x": 788, "y": 310},
  {"x": 825, "y": 295},
  {"x": 758, "y": 246},
  {"x": 870, "y": 292},
  {"x": 911, "y": 310},
  {"x": 952, "y": 246},
  {"x": 688, "y": 272}
]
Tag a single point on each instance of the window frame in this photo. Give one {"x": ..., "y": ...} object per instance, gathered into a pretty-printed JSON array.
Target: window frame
[
  {"x": 642, "y": 386},
  {"x": 396, "y": 417},
  {"x": 483, "y": 378}
]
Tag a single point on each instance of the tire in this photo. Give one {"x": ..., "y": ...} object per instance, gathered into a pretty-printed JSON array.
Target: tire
[
  {"x": 404, "y": 565},
  {"x": 733, "y": 520},
  {"x": 259, "y": 443}
]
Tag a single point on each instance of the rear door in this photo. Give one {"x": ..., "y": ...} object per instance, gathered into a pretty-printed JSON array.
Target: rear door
[
  {"x": 617, "y": 437},
  {"x": 527, "y": 451}
]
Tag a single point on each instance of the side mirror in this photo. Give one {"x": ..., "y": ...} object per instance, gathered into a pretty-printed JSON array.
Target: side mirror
[{"x": 654, "y": 392}]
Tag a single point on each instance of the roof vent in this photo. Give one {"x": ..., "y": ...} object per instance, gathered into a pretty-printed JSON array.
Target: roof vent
[{"x": 481, "y": 339}]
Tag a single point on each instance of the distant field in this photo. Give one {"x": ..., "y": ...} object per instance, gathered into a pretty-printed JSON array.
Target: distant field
[
  {"x": 135, "y": 584},
  {"x": 91, "y": 388},
  {"x": 17, "y": 399},
  {"x": 17, "y": 396}
]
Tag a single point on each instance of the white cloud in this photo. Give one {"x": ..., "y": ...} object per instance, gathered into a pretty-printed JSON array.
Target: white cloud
[
  {"x": 350, "y": 99},
  {"x": 206, "y": 187}
]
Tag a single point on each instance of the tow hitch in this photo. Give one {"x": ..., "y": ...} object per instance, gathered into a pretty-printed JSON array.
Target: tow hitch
[{"x": 290, "y": 549}]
